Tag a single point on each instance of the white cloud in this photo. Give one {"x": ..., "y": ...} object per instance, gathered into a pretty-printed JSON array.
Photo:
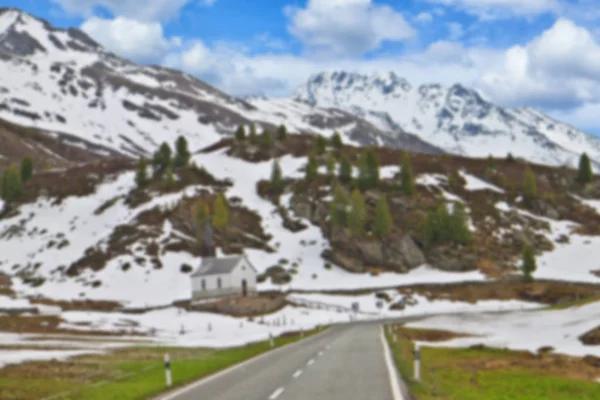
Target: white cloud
[
  {"x": 492, "y": 9},
  {"x": 455, "y": 30},
  {"x": 346, "y": 27},
  {"x": 141, "y": 10},
  {"x": 423, "y": 17},
  {"x": 139, "y": 41},
  {"x": 559, "y": 69}
]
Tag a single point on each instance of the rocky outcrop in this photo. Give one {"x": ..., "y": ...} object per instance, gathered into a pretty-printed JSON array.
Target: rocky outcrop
[{"x": 399, "y": 254}]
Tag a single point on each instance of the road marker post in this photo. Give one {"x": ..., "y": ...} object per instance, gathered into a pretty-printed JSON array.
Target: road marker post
[
  {"x": 168, "y": 370},
  {"x": 417, "y": 363},
  {"x": 271, "y": 341}
]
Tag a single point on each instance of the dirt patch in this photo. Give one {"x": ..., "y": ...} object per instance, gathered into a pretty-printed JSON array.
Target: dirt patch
[
  {"x": 545, "y": 363},
  {"x": 429, "y": 335},
  {"x": 546, "y": 292},
  {"x": 80, "y": 305},
  {"x": 244, "y": 306},
  {"x": 49, "y": 325},
  {"x": 591, "y": 338}
]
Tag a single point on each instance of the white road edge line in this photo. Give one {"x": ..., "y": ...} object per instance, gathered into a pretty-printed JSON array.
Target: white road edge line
[
  {"x": 311, "y": 361},
  {"x": 297, "y": 373},
  {"x": 194, "y": 385},
  {"x": 391, "y": 367},
  {"x": 276, "y": 393}
]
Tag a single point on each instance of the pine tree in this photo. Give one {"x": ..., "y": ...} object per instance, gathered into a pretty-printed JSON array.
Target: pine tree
[
  {"x": 491, "y": 163},
  {"x": 201, "y": 214},
  {"x": 529, "y": 265},
  {"x": 170, "y": 178},
  {"x": 510, "y": 158},
  {"x": 161, "y": 160},
  {"x": 141, "y": 172},
  {"x": 358, "y": 213},
  {"x": 276, "y": 179},
  {"x": 330, "y": 164},
  {"x": 443, "y": 224},
  {"x": 372, "y": 168},
  {"x": 281, "y": 132},
  {"x": 459, "y": 224},
  {"x": 312, "y": 168},
  {"x": 585, "y": 174},
  {"x": 182, "y": 153},
  {"x": 11, "y": 183},
  {"x": 26, "y": 169},
  {"x": 221, "y": 212},
  {"x": 430, "y": 229},
  {"x": 407, "y": 181},
  {"x": 240, "y": 133},
  {"x": 266, "y": 140},
  {"x": 383, "y": 218},
  {"x": 336, "y": 141},
  {"x": 321, "y": 145},
  {"x": 252, "y": 136},
  {"x": 529, "y": 184},
  {"x": 345, "y": 170},
  {"x": 339, "y": 207}
]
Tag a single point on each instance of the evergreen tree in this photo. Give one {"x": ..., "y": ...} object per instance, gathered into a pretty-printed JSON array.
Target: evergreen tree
[
  {"x": 182, "y": 153},
  {"x": 11, "y": 183},
  {"x": 585, "y": 174},
  {"x": 240, "y": 133},
  {"x": 407, "y": 181},
  {"x": 383, "y": 218},
  {"x": 281, "y": 132},
  {"x": 312, "y": 168},
  {"x": 161, "y": 160},
  {"x": 266, "y": 140},
  {"x": 510, "y": 158},
  {"x": 358, "y": 213},
  {"x": 330, "y": 163},
  {"x": 459, "y": 224},
  {"x": 336, "y": 141},
  {"x": 443, "y": 224},
  {"x": 221, "y": 212},
  {"x": 373, "y": 168},
  {"x": 201, "y": 214},
  {"x": 430, "y": 229},
  {"x": 141, "y": 172},
  {"x": 529, "y": 265},
  {"x": 321, "y": 145},
  {"x": 170, "y": 177},
  {"x": 529, "y": 184},
  {"x": 345, "y": 170},
  {"x": 339, "y": 207},
  {"x": 252, "y": 136},
  {"x": 26, "y": 169},
  {"x": 276, "y": 179}
]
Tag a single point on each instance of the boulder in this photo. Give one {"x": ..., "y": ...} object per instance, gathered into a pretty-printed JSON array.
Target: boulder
[{"x": 446, "y": 259}]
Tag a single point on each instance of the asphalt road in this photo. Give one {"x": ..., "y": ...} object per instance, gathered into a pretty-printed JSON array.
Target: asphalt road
[{"x": 346, "y": 362}]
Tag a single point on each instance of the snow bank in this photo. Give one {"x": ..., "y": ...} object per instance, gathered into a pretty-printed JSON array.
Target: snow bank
[
  {"x": 475, "y": 183},
  {"x": 522, "y": 330}
]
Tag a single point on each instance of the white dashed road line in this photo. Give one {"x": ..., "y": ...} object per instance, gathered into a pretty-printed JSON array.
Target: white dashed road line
[
  {"x": 311, "y": 361},
  {"x": 297, "y": 373},
  {"x": 276, "y": 393},
  {"x": 320, "y": 353}
]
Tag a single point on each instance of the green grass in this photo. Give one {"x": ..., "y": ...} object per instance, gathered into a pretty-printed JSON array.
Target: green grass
[
  {"x": 456, "y": 374},
  {"x": 574, "y": 303},
  {"x": 127, "y": 374}
]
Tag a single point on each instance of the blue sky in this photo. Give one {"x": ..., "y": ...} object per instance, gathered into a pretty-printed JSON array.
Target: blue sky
[{"x": 539, "y": 53}]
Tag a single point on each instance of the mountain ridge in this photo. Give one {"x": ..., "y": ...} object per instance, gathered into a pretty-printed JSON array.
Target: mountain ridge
[{"x": 456, "y": 118}]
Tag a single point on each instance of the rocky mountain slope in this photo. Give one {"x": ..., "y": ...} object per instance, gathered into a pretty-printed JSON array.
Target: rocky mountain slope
[
  {"x": 456, "y": 119},
  {"x": 62, "y": 81}
]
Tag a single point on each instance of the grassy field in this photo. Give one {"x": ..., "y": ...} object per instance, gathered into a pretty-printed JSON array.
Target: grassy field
[
  {"x": 574, "y": 303},
  {"x": 127, "y": 374},
  {"x": 494, "y": 374}
]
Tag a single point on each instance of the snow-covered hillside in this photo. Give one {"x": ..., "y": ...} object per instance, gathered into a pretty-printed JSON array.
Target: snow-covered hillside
[
  {"x": 62, "y": 81},
  {"x": 457, "y": 119}
]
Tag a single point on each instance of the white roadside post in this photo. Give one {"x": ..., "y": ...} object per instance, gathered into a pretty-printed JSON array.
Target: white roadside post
[
  {"x": 417, "y": 363},
  {"x": 271, "y": 341},
  {"x": 168, "y": 369}
]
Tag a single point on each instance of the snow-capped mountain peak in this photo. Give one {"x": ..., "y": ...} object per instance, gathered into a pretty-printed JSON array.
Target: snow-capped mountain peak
[{"x": 457, "y": 119}]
